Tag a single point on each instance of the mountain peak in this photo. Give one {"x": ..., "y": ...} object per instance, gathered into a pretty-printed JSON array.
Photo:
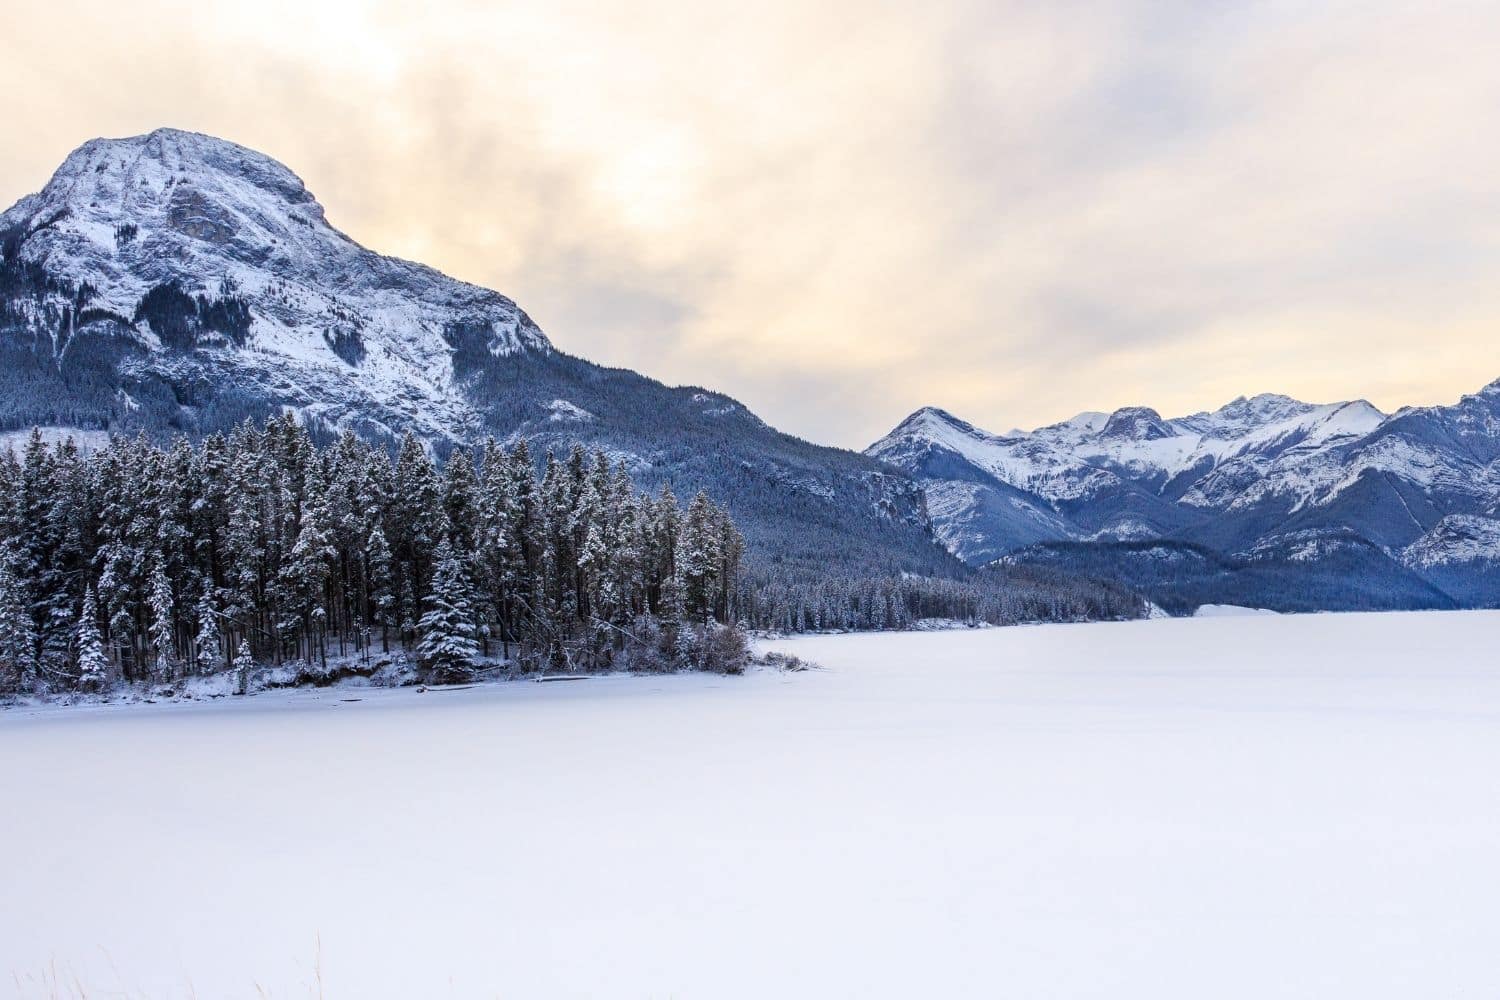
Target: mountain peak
[
  {"x": 202, "y": 187},
  {"x": 932, "y": 413},
  {"x": 1136, "y": 423},
  {"x": 1266, "y": 406},
  {"x": 921, "y": 423}
]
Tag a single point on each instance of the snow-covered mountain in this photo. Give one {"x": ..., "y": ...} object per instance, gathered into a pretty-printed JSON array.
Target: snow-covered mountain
[
  {"x": 175, "y": 282},
  {"x": 1257, "y": 476},
  {"x": 174, "y": 242}
]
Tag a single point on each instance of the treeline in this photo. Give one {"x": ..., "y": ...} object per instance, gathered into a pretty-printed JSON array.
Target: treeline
[
  {"x": 1350, "y": 574},
  {"x": 996, "y": 596},
  {"x": 146, "y": 564}
]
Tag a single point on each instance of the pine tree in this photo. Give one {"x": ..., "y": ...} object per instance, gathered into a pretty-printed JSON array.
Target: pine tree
[
  {"x": 665, "y": 589},
  {"x": 498, "y": 557},
  {"x": 163, "y": 631},
  {"x": 210, "y": 642},
  {"x": 699, "y": 559},
  {"x": 461, "y": 504},
  {"x": 447, "y": 647},
  {"x": 731, "y": 549},
  {"x": 18, "y": 664},
  {"x": 525, "y": 590},
  {"x": 114, "y": 593},
  {"x": 305, "y": 569},
  {"x": 93, "y": 665},
  {"x": 244, "y": 666},
  {"x": 417, "y": 518},
  {"x": 381, "y": 594}
]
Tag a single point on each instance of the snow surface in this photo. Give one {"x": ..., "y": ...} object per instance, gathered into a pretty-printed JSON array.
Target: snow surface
[
  {"x": 1290, "y": 806},
  {"x": 85, "y": 440},
  {"x": 1228, "y": 611}
]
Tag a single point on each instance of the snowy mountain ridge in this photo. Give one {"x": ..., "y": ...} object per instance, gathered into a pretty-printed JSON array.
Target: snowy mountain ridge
[{"x": 1265, "y": 473}]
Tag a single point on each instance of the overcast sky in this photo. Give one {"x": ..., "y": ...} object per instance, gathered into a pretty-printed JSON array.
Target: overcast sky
[{"x": 838, "y": 212}]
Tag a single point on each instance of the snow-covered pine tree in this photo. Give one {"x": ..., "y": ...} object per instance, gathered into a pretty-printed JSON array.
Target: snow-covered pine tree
[
  {"x": 18, "y": 663},
  {"x": 699, "y": 559},
  {"x": 244, "y": 667},
  {"x": 38, "y": 557},
  {"x": 69, "y": 514},
  {"x": 210, "y": 641},
  {"x": 447, "y": 647},
  {"x": 594, "y": 535},
  {"x": 408, "y": 603},
  {"x": 243, "y": 538},
  {"x": 346, "y": 482},
  {"x": 560, "y": 599},
  {"x": 93, "y": 665},
  {"x": 163, "y": 628},
  {"x": 415, "y": 522},
  {"x": 304, "y": 573},
  {"x": 380, "y": 593},
  {"x": 497, "y": 552},
  {"x": 731, "y": 549},
  {"x": 113, "y": 593},
  {"x": 526, "y": 597},
  {"x": 624, "y": 588},
  {"x": 665, "y": 587},
  {"x": 461, "y": 504}
]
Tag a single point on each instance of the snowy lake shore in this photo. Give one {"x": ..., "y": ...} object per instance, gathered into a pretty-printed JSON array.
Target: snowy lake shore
[{"x": 1237, "y": 806}]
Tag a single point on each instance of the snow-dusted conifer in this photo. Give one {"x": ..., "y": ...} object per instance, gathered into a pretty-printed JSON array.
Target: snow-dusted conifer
[
  {"x": 93, "y": 665},
  {"x": 210, "y": 642},
  {"x": 381, "y": 589},
  {"x": 163, "y": 631},
  {"x": 698, "y": 559},
  {"x": 447, "y": 646},
  {"x": 17, "y": 630},
  {"x": 244, "y": 666},
  {"x": 461, "y": 504}
]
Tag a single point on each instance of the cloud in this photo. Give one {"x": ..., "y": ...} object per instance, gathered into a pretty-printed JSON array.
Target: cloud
[{"x": 839, "y": 212}]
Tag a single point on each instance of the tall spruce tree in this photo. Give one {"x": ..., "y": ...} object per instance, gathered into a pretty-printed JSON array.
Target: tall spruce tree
[
  {"x": 447, "y": 647},
  {"x": 163, "y": 628},
  {"x": 210, "y": 642},
  {"x": 244, "y": 667},
  {"x": 93, "y": 665},
  {"x": 18, "y": 655}
]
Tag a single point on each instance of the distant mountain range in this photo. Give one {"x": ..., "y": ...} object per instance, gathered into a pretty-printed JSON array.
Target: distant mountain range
[
  {"x": 174, "y": 282},
  {"x": 1291, "y": 504}
]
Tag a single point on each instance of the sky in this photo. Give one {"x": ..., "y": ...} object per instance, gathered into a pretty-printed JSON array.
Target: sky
[{"x": 839, "y": 212}]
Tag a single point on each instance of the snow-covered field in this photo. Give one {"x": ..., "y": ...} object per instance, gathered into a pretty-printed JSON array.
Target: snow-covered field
[{"x": 1240, "y": 806}]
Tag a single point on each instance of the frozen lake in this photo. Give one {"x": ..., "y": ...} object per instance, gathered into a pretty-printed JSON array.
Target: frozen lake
[{"x": 1239, "y": 806}]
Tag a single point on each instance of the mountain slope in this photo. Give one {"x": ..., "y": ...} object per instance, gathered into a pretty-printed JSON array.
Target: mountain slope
[{"x": 175, "y": 282}]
